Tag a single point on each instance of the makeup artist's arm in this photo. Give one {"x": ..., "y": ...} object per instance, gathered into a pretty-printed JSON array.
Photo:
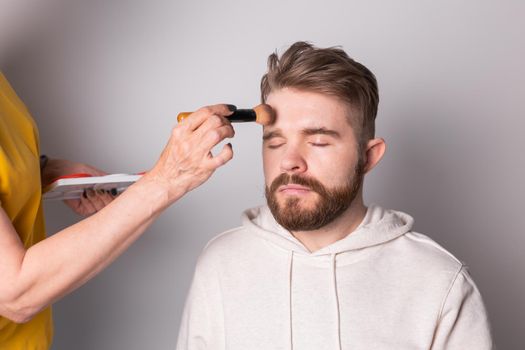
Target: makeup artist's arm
[{"x": 32, "y": 279}]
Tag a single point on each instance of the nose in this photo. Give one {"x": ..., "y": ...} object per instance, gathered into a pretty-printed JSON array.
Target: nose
[{"x": 293, "y": 162}]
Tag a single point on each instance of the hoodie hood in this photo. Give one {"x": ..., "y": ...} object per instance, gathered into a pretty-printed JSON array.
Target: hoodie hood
[{"x": 378, "y": 226}]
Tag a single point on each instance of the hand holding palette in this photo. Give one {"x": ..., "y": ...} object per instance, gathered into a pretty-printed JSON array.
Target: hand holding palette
[{"x": 73, "y": 186}]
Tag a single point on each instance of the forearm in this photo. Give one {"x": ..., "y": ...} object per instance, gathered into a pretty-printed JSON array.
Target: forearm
[
  {"x": 66, "y": 260},
  {"x": 32, "y": 279}
]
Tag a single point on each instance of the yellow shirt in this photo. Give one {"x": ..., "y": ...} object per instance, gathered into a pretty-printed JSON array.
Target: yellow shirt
[{"x": 20, "y": 198}]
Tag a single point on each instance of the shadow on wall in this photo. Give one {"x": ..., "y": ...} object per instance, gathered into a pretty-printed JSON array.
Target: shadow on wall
[
  {"x": 21, "y": 21},
  {"x": 433, "y": 170}
]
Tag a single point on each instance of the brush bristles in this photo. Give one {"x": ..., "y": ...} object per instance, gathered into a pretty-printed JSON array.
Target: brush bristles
[{"x": 265, "y": 114}]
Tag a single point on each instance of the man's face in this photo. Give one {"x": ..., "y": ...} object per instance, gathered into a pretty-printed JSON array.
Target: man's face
[{"x": 311, "y": 159}]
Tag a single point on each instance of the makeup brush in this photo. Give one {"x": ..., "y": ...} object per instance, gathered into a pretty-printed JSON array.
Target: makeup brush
[{"x": 262, "y": 114}]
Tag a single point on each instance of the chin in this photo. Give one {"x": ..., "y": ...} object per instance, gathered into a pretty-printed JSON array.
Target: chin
[{"x": 301, "y": 202}]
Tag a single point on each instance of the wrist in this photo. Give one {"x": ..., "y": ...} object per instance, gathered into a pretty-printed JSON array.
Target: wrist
[{"x": 160, "y": 193}]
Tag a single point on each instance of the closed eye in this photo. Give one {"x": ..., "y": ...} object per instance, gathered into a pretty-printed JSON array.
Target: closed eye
[{"x": 319, "y": 144}]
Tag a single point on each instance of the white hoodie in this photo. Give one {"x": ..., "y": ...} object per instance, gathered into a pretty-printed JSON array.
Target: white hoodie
[{"x": 381, "y": 287}]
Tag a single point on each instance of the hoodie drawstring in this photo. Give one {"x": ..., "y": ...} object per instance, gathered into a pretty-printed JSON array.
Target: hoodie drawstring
[
  {"x": 333, "y": 265},
  {"x": 290, "y": 298},
  {"x": 336, "y": 300}
]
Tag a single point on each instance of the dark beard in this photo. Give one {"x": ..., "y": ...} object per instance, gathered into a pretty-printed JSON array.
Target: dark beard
[{"x": 332, "y": 203}]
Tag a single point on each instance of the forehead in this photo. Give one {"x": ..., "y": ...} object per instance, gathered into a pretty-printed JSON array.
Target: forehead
[{"x": 298, "y": 109}]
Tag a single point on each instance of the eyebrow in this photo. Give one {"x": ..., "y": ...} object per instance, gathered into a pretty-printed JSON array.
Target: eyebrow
[
  {"x": 306, "y": 132},
  {"x": 321, "y": 131},
  {"x": 272, "y": 134}
]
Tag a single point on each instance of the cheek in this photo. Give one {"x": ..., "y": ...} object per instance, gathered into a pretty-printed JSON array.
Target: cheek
[
  {"x": 323, "y": 171},
  {"x": 333, "y": 169},
  {"x": 270, "y": 167}
]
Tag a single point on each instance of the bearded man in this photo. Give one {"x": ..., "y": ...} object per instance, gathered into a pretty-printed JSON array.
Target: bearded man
[{"x": 316, "y": 268}]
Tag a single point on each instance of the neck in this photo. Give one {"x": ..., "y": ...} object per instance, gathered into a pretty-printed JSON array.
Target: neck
[{"x": 338, "y": 229}]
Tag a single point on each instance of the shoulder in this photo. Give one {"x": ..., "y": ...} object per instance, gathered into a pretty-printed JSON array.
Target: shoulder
[
  {"x": 228, "y": 241},
  {"x": 422, "y": 250},
  {"x": 417, "y": 258},
  {"x": 227, "y": 237},
  {"x": 228, "y": 246}
]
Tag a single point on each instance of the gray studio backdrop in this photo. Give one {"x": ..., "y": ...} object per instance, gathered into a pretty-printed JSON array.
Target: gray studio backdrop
[{"x": 106, "y": 79}]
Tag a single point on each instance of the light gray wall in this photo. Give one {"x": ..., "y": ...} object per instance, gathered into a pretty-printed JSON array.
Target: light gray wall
[{"x": 105, "y": 80}]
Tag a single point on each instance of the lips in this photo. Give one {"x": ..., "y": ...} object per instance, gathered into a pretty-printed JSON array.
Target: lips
[
  {"x": 294, "y": 189},
  {"x": 286, "y": 184}
]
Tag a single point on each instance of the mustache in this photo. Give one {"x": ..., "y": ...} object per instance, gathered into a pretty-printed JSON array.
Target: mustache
[{"x": 286, "y": 179}]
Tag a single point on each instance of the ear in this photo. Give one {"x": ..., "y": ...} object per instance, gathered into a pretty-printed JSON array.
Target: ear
[{"x": 375, "y": 149}]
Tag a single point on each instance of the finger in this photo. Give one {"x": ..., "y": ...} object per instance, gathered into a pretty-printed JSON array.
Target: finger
[
  {"x": 74, "y": 204},
  {"x": 213, "y": 137},
  {"x": 105, "y": 197},
  {"x": 213, "y": 122},
  {"x": 95, "y": 200},
  {"x": 222, "y": 158},
  {"x": 85, "y": 206},
  {"x": 198, "y": 117}
]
